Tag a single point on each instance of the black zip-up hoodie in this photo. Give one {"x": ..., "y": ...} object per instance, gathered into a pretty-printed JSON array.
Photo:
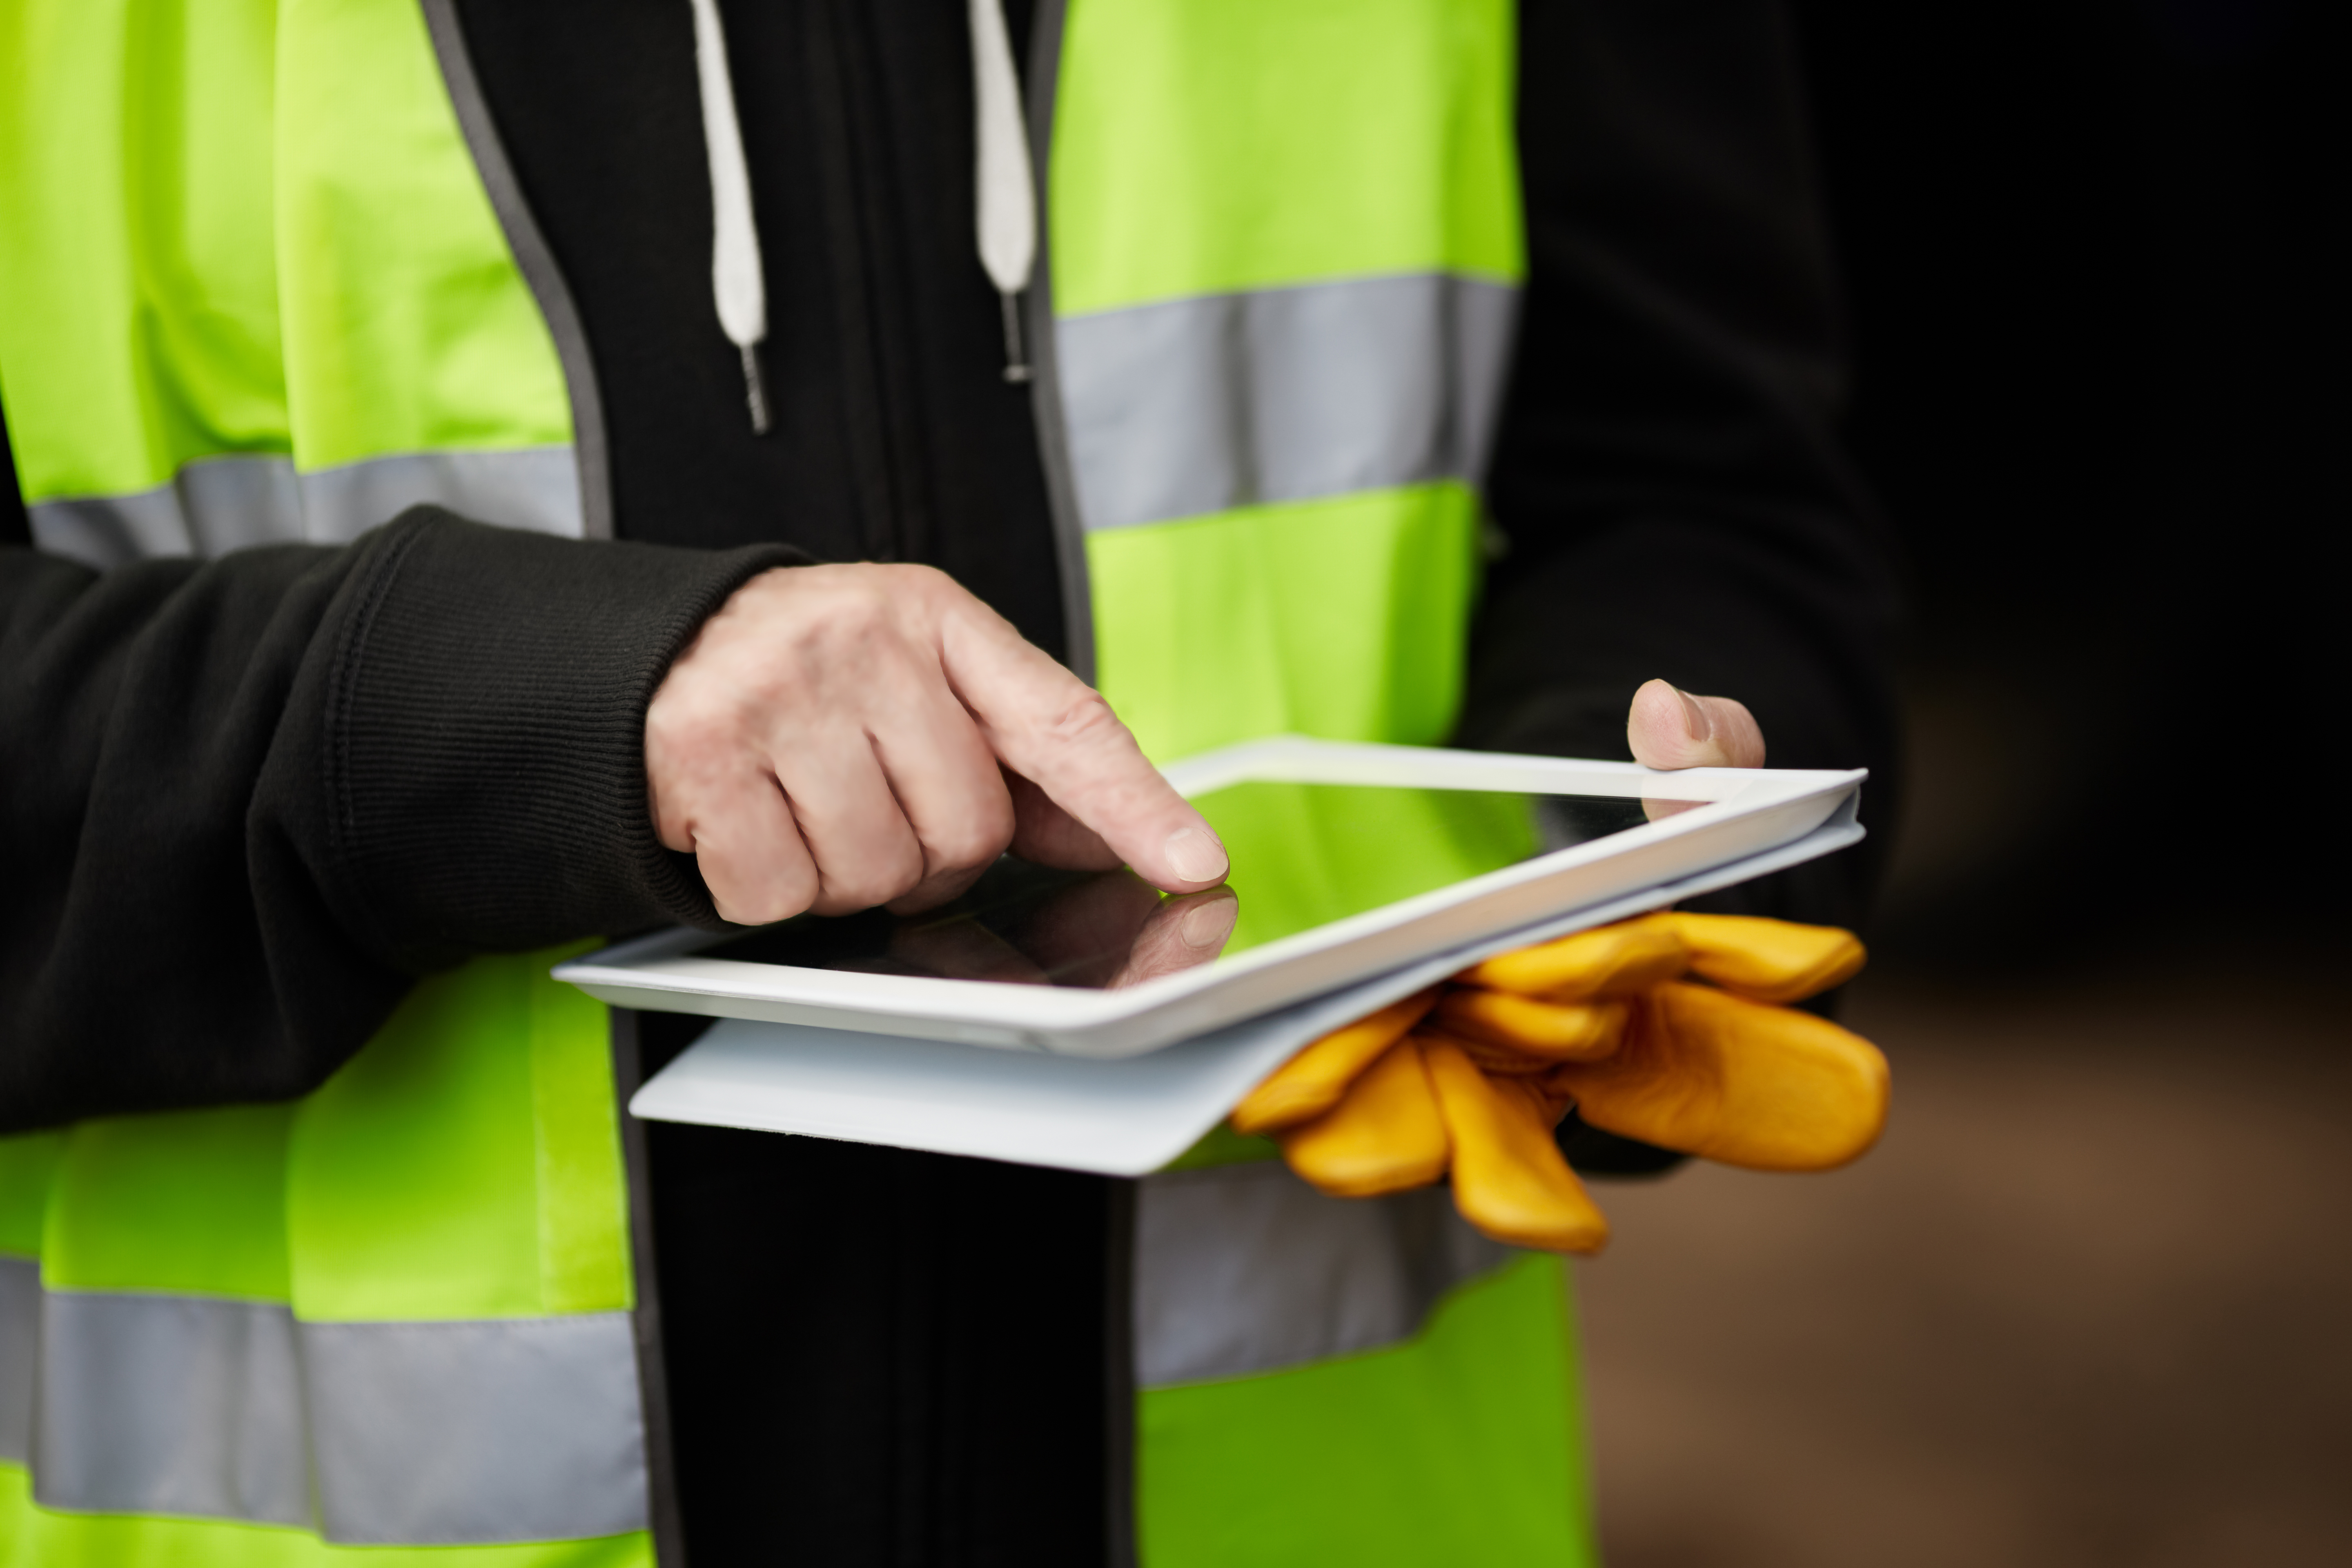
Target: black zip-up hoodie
[{"x": 247, "y": 801}]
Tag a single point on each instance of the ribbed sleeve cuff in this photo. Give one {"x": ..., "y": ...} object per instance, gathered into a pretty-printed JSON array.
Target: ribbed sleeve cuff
[{"x": 485, "y": 735}]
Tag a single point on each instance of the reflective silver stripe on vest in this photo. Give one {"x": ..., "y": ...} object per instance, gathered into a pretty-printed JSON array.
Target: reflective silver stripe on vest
[
  {"x": 1243, "y": 1268},
  {"x": 1198, "y": 405},
  {"x": 172, "y": 1405},
  {"x": 220, "y": 504},
  {"x": 518, "y": 1429},
  {"x": 20, "y": 1343},
  {"x": 416, "y": 1433}
]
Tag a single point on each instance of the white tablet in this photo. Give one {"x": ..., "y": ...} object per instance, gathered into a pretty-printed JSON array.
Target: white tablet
[
  {"x": 1121, "y": 1118},
  {"x": 1349, "y": 863}
]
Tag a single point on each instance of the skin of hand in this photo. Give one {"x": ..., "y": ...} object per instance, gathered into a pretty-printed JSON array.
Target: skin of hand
[
  {"x": 839, "y": 737},
  {"x": 1815, "y": 1097},
  {"x": 1670, "y": 728}
]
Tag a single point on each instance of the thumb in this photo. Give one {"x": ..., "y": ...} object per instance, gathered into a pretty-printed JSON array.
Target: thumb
[{"x": 1670, "y": 728}]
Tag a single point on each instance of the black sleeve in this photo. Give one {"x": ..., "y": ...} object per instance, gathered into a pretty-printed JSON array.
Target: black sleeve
[
  {"x": 1667, "y": 478},
  {"x": 247, "y": 801}
]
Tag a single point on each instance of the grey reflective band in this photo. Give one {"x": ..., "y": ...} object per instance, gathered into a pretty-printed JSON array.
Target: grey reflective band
[
  {"x": 505, "y": 1429},
  {"x": 170, "y": 1404},
  {"x": 426, "y": 1434},
  {"x": 20, "y": 1341},
  {"x": 1193, "y": 406},
  {"x": 220, "y": 504},
  {"x": 1245, "y": 1269}
]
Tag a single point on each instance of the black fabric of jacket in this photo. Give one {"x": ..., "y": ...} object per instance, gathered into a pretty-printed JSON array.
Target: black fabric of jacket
[{"x": 245, "y": 802}]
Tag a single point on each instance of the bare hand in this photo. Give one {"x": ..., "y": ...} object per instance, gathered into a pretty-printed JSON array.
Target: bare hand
[
  {"x": 1669, "y": 727},
  {"x": 839, "y": 737}
]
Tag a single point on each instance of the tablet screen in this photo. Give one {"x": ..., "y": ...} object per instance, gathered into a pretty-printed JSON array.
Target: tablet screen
[{"x": 1303, "y": 855}]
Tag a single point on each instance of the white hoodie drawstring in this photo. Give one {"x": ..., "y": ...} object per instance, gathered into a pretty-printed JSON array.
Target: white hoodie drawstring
[
  {"x": 1004, "y": 195},
  {"x": 736, "y": 280},
  {"x": 1006, "y": 200}
]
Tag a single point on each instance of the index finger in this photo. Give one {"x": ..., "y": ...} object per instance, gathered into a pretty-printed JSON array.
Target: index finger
[{"x": 1056, "y": 731}]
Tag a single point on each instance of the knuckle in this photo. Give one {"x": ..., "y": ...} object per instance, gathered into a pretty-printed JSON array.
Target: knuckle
[
  {"x": 973, "y": 842},
  {"x": 677, "y": 724},
  {"x": 864, "y": 886},
  {"x": 768, "y": 910},
  {"x": 860, "y": 611},
  {"x": 762, "y": 903},
  {"x": 928, "y": 592},
  {"x": 1086, "y": 719},
  {"x": 859, "y": 629},
  {"x": 711, "y": 695},
  {"x": 913, "y": 577}
]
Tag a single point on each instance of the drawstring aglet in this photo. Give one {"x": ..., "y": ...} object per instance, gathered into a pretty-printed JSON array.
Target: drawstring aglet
[
  {"x": 755, "y": 389},
  {"x": 1017, "y": 359}
]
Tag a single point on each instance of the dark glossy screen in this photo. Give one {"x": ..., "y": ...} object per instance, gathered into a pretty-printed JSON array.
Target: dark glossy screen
[{"x": 1303, "y": 856}]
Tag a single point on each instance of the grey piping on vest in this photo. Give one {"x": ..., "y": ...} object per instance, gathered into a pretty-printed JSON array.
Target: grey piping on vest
[
  {"x": 20, "y": 1351},
  {"x": 1245, "y": 1269},
  {"x": 1186, "y": 407},
  {"x": 428, "y": 1433},
  {"x": 666, "y": 1518},
  {"x": 215, "y": 505},
  {"x": 536, "y": 261},
  {"x": 1044, "y": 360}
]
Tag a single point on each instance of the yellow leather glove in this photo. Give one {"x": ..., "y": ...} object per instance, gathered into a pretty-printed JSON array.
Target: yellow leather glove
[{"x": 1472, "y": 1076}]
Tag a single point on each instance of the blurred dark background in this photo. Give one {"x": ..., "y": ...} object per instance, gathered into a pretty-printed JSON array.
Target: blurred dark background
[
  {"x": 2090, "y": 1302},
  {"x": 2097, "y": 264}
]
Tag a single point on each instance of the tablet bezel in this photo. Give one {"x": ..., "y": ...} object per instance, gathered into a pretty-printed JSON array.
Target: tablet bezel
[{"x": 1741, "y": 812}]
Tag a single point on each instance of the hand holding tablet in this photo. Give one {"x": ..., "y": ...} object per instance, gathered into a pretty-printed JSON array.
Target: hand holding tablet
[{"x": 1668, "y": 1028}]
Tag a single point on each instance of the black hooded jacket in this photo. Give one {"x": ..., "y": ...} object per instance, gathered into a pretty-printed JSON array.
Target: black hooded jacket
[{"x": 247, "y": 801}]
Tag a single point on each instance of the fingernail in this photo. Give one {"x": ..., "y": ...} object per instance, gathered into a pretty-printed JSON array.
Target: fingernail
[
  {"x": 1702, "y": 728},
  {"x": 1207, "y": 923},
  {"x": 1195, "y": 855}
]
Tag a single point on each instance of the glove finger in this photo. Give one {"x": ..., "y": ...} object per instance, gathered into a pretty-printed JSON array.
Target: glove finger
[
  {"x": 1510, "y": 1178},
  {"x": 1736, "y": 1081},
  {"x": 1546, "y": 1032},
  {"x": 1545, "y": 1102},
  {"x": 1384, "y": 1136},
  {"x": 1769, "y": 961},
  {"x": 1608, "y": 961},
  {"x": 1311, "y": 1082},
  {"x": 1513, "y": 1074},
  {"x": 1495, "y": 1061}
]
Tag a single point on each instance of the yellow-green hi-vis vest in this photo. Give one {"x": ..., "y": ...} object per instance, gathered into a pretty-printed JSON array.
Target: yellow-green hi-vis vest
[{"x": 264, "y": 276}]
